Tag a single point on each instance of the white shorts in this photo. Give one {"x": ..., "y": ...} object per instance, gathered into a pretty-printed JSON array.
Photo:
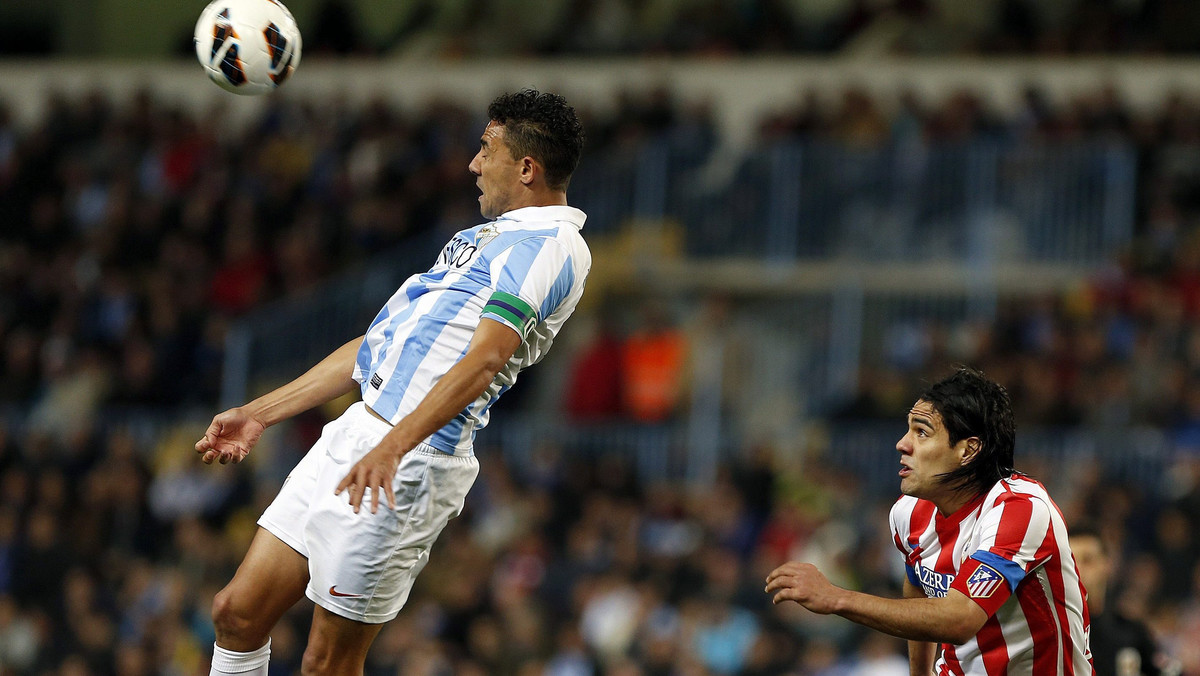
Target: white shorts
[{"x": 362, "y": 566}]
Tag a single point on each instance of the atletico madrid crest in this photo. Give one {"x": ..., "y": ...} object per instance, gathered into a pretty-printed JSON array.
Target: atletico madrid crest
[{"x": 983, "y": 582}]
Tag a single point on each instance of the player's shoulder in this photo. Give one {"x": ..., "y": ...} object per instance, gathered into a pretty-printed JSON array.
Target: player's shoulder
[
  {"x": 1019, "y": 489},
  {"x": 908, "y": 510}
]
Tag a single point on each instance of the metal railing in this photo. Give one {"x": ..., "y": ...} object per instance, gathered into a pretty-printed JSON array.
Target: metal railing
[
  {"x": 980, "y": 201},
  {"x": 1139, "y": 457}
]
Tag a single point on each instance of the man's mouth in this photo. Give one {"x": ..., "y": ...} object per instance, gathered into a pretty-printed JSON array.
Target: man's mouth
[{"x": 905, "y": 471}]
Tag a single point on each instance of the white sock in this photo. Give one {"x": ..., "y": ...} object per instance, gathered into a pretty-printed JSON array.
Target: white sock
[{"x": 226, "y": 662}]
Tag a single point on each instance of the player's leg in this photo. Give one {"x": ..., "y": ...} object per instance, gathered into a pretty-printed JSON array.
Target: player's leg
[
  {"x": 270, "y": 580},
  {"x": 336, "y": 645},
  {"x": 363, "y": 565}
]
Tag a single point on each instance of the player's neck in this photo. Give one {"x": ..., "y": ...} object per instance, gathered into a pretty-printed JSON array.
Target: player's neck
[
  {"x": 950, "y": 503},
  {"x": 539, "y": 198}
]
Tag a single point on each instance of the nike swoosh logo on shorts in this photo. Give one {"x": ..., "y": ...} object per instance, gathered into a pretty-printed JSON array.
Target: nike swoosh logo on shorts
[{"x": 334, "y": 592}]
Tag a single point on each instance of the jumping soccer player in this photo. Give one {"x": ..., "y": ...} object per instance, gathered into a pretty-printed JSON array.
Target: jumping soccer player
[
  {"x": 447, "y": 344},
  {"x": 990, "y": 574}
]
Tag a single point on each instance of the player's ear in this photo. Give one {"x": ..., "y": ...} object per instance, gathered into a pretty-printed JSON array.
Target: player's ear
[
  {"x": 529, "y": 169},
  {"x": 971, "y": 449}
]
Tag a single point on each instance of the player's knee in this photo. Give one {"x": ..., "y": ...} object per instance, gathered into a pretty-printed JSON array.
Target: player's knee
[
  {"x": 317, "y": 660},
  {"x": 334, "y": 653},
  {"x": 231, "y": 623}
]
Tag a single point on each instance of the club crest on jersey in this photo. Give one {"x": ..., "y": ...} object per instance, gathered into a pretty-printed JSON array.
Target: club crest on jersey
[
  {"x": 984, "y": 582},
  {"x": 486, "y": 234}
]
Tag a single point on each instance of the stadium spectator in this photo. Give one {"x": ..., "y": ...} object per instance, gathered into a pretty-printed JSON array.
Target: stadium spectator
[
  {"x": 594, "y": 386},
  {"x": 653, "y": 361},
  {"x": 1121, "y": 646}
]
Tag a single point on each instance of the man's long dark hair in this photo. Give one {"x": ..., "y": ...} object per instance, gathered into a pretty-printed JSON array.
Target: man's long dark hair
[
  {"x": 542, "y": 126},
  {"x": 971, "y": 405}
]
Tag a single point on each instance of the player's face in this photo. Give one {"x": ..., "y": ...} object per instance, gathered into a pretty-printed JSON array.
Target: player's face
[
  {"x": 497, "y": 173},
  {"x": 926, "y": 454}
]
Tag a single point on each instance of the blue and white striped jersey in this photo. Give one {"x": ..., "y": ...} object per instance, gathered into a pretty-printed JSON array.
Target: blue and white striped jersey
[{"x": 526, "y": 270}]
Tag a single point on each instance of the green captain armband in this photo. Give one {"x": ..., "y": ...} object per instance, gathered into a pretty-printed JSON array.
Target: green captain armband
[{"x": 511, "y": 310}]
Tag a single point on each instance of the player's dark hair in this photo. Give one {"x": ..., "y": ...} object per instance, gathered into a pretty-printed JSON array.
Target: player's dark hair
[
  {"x": 971, "y": 405},
  {"x": 542, "y": 126}
]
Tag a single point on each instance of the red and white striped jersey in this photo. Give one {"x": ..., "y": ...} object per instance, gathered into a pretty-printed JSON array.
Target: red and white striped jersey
[{"x": 1007, "y": 551}]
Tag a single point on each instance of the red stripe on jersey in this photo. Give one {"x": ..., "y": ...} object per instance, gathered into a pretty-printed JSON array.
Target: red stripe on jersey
[
  {"x": 1054, "y": 574},
  {"x": 992, "y": 647},
  {"x": 1014, "y": 524},
  {"x": 947, "y": 534},
  {"x": 922, "y": 514},
  {"x": 950, "y": 663},
  {"x": 1040, "y": 618},
  {"x": 1057, "y": 575}
]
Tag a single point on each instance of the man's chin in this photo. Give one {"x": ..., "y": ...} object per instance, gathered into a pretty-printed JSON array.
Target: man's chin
[{"x": 487, "y": 211}]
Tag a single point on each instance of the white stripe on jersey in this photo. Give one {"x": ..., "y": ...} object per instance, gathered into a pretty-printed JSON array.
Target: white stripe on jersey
[
  {"x": 534, "y": 253},
  {"x": 1016, "y": 510}
]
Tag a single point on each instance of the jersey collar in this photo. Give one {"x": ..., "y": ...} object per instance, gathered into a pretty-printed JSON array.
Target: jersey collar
[
  {"x": 542, "y": 214},
  {"x": 962, "y": 512}
]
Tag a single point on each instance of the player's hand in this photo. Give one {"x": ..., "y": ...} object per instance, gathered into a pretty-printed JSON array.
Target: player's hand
[
  {"x": 376, "y": 471},
  {"x": 804, "y": 584},
  {"x": 230, "y": 437}
]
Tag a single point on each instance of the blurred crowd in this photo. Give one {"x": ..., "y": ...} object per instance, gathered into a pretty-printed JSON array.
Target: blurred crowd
[
  {"x": 709, "y": 28},
  {"x": 566, "y": 565},
  {"x": 731, "y": 27},
  {"x": 130, "y": 236}
]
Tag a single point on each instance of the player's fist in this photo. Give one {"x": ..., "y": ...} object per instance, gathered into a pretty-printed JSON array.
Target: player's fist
[{"x": 230, "y": 437}]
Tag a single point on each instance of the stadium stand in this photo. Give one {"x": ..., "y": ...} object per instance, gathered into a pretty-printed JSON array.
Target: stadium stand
[{"x": 132, "y": 238}]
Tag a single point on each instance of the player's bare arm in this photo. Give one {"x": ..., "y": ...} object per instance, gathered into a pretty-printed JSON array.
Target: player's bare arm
[
  {"x": 492, "y": 345},
  {"x": 952, "y": 619},
  {"x": 921, "y": 654},
  {"x": 234, "y": 432}
]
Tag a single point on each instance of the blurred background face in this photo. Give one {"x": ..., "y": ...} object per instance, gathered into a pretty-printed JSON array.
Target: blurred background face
[{"x": 1094, "y": 565}]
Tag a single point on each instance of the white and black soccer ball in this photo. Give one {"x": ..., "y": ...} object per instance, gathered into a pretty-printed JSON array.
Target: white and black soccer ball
[{"x": 247, "y": 46}]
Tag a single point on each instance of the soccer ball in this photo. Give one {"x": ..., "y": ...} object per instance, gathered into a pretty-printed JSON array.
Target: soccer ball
[{"x": 247, "y": 46}]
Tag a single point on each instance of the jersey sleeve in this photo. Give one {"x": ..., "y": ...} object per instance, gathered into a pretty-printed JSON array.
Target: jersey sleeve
[
  {"x": 1013, "y": 537},
  {"x": 530, "y": 280},
  {"x": 899, "y": 527}
]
